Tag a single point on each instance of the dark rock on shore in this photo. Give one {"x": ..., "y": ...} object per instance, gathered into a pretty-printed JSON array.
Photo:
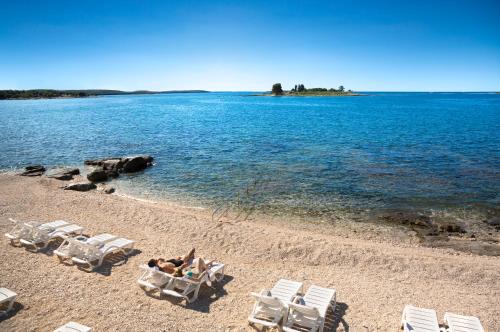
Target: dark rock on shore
[
  {"x": 85, "y": 186},
  {"x": 65, "y": 174},
  {"x": 33, "y": 170},
  {"x": 97, "y": 176},
  {"x": 112, "y": 174},
  {"x": 109, "y": 190}
]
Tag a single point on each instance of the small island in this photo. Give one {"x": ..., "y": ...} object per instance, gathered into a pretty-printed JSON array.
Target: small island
[
  {"x": 300, "y": 90},
  {"x": 49, "y": 93}
]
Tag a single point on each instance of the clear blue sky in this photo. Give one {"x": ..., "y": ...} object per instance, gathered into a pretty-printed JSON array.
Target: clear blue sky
[{"x": 248, "y": 45}]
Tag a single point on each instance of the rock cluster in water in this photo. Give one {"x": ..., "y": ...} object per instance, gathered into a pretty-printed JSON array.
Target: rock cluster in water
[
  {"x": 111, "y": 167},
  {"x": 105, "y": 169}
]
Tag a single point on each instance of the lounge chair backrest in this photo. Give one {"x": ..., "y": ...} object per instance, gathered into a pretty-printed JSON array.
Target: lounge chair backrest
[
  {"x": 20, "y": 229},
  {"x": 459, "y": 323},
  {"x": 419, "y": 320},
  {"x": 319, "y": 297},
  {"x": 286, "y": 290}
]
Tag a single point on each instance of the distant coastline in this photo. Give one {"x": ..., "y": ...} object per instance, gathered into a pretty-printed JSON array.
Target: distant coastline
[{"x": 52, "y": 94}]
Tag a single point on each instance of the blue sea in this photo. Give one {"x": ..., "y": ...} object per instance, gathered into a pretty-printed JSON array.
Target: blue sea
[{"x": 317, "y": 157}]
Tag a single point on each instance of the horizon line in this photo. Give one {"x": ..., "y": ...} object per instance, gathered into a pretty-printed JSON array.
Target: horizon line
[{"x": 266, "y": 90}]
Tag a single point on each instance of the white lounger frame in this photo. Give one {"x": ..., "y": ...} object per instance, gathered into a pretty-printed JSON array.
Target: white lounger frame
[
  {"x": 73, "y": 327},
  {"x": 43, "y": 235},
  {"x": 311, "y": 315},
  {"x": 271, "y": 306},
  {"x": 93, "y": 256},
  {"x": 459, "y": 323},
  {"x": 71, "y": 247},
  {"x": 179, "y": 287},
  {"x": 9, "y": 297},
  {"x": 23, "y": 230},
  {"x": 416, "y": 319}
]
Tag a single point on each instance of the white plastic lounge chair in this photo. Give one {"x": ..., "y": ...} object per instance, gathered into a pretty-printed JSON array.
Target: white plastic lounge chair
[
  {"x": 9, "y": 297},
  {"x": 71, "y": 247},
  {"x": 188, "y": 289},
  {"x": 152, "y": 278},
  {"x": 73, "y": 327},
  {"x": 419, "y": 320},
  {"x": 40, "y": 237},
  {"x": 308, "y": 313},
  {"x": 459, "y": 323},
  {"x": 272, "y": 305},
  {"x": 94, "y": 255},
  {"x": 180, "y": 287},
  {"x": 23, "y": 230}
]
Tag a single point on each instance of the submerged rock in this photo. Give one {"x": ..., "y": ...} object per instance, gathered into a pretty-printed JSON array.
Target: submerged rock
[
  {"x": 33, "y": 170},
  {"x": 84, "y": 186},
  {"x": 494, "y": 222},
  {"x": 450, "y": 227},
  {"x": 407, "y": 218}
]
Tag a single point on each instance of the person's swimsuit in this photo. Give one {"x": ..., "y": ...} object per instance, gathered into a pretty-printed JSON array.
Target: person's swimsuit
[{"x": 176, "y": 262}]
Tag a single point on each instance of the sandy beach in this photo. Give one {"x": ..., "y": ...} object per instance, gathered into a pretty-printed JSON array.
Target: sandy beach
[{"x": 375, "y": 274}]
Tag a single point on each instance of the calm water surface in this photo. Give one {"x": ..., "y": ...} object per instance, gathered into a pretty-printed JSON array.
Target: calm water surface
[{"x": 315, "y": 156}]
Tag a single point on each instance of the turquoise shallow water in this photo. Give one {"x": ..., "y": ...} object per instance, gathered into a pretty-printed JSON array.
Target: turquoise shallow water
[{"x": 314, "y": 156}]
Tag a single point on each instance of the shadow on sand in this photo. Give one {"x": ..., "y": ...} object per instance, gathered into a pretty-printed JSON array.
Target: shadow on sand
[
  {"x": 117, "y": 259},
  {"x": 15, "y": 309}
]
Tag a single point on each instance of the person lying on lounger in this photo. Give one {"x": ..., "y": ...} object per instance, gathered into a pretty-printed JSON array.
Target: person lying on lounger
[{"x": 176, "y": 266}]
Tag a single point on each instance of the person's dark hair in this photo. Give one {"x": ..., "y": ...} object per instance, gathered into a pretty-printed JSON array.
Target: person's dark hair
[{"x": 152, "y": 262}]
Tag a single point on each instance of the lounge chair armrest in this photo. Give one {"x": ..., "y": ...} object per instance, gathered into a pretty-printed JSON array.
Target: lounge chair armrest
[
  {"x": 110, "y": 249},
  {"x": 304, "y": 308}
]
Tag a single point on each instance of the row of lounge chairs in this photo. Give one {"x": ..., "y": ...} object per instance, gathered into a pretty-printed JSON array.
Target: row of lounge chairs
[
  {"x": 284, "y": 306},
  {"x": 425, "y": 320},
  {"x": 86, "y": 252}
]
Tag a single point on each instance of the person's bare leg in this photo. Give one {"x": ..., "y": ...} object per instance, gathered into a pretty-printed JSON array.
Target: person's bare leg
[
  {"x": 201, "y": 265},
  {"x": 189, "y": 256}
]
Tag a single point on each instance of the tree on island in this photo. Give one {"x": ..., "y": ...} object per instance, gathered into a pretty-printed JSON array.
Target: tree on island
[
  {"x": 341, "y": 88},
  {"x": 301, "y": 88},
  {"x": 277, "y": 89}
]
